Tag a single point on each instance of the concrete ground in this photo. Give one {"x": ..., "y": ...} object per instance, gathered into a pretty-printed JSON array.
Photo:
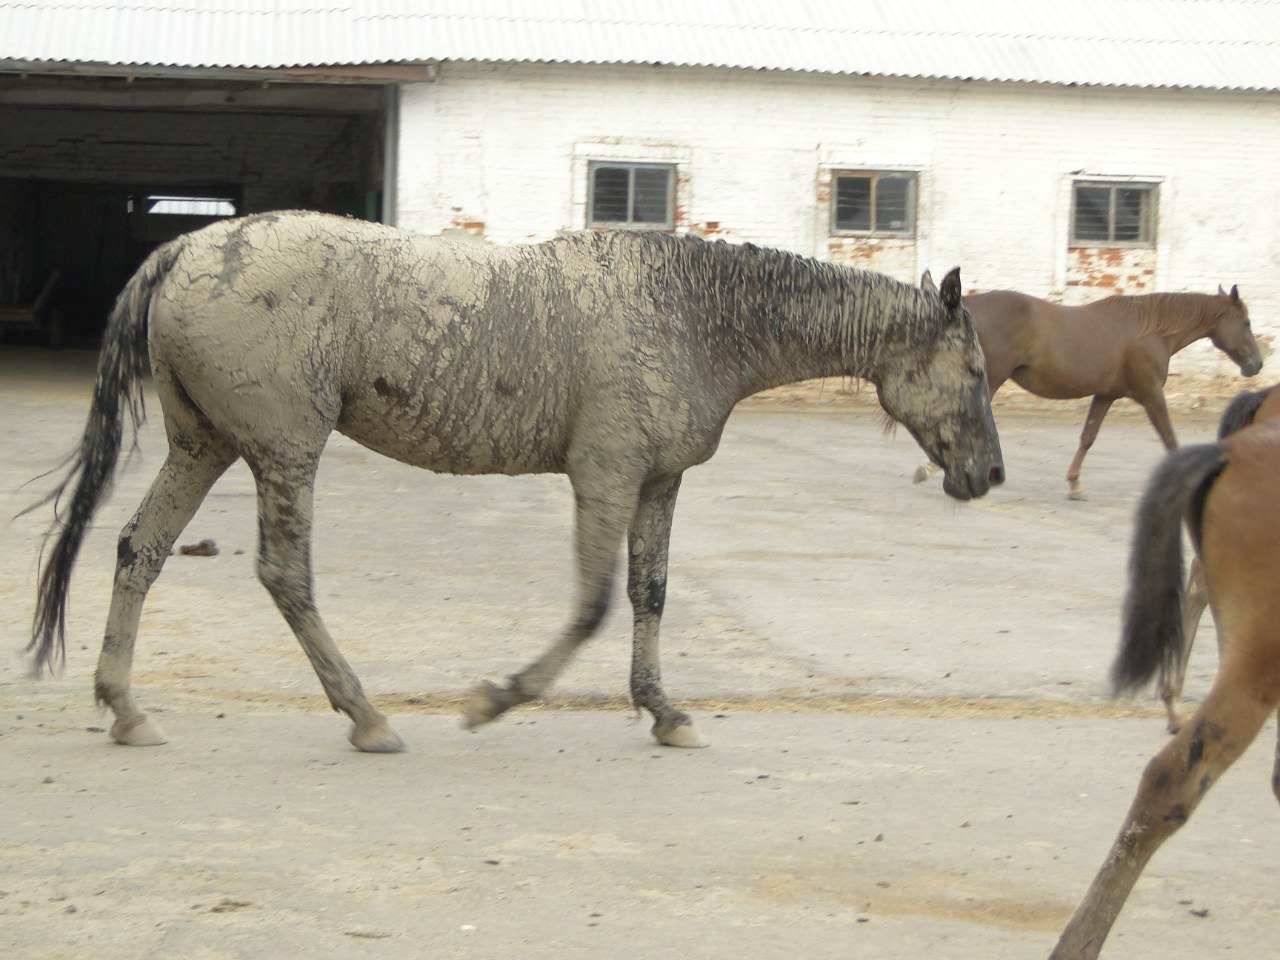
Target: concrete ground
[{"x": 912, "y": 751}]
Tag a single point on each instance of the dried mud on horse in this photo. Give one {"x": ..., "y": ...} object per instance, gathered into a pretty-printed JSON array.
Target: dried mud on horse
[
  {"x": 613, "y": 357},
  {"x": 1227, "y": 494},
  {"x": 1117, "y": 347}
]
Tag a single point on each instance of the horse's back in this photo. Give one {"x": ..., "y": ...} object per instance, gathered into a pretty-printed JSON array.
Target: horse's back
[
  {"x": 1054, "y": 351},
  {"x": 1009, "y": 328},
  {"x": 430, "y": 350}
]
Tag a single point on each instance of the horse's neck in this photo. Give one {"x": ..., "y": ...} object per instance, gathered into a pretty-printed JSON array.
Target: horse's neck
[
  {"x": 1177, "y": 319},
  {"x": 804, "y": 338}
]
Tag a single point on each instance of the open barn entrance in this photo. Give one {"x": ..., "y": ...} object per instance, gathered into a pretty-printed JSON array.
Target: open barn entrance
[{"x": 96, "y": 172}]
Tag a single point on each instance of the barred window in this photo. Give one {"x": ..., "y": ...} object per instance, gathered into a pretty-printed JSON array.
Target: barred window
[
  {"x": 874, "y": 202},
  {"x": 634, "y": 195},
  {"x": 1113, "y": 213}
]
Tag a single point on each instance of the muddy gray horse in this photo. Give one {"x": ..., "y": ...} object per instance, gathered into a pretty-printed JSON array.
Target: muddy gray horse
[{"x": 613, "y": 357}]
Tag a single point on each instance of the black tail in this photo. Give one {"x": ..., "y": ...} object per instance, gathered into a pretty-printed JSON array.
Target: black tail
[
  {"x": 1152, "y": 631},
  {"x": 118, "y": 386},
  {"x": 1240, "y": 412}
]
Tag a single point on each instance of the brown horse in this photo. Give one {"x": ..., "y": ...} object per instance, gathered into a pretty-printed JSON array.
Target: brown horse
[
  {"x": 1252, "y": 406},
  {"x": 1227, "y": 493},
  {"x": 1111, "y": 348}
]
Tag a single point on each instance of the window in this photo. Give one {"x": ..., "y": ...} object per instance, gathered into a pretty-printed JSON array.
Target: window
[
  {"x": 637, "y": 195},
  {"x": 1113, "y": 213},
  {"x": 875, "y": 202},
  {"x": 190, "y": 206}
]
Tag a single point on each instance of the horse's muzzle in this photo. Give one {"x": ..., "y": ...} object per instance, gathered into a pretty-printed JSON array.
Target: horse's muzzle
[
  {"x": 972, "y": 484},
  {"x": 1250, "y": 367}
]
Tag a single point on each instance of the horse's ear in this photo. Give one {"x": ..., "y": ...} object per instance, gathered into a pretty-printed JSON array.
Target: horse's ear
[
  {"x": 1235, "y": 294},
  {"x": 926, "y": 282},
  {"x": 951, "y": 292}
]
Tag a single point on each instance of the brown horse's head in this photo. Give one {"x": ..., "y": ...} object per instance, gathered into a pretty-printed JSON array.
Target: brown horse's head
[
  {"x": 936, "y": 387},
  {"x": 1232, "y": 334}
]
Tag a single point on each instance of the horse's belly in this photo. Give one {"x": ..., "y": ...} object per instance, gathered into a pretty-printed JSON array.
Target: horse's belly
[{"x": 481, "y": 438}]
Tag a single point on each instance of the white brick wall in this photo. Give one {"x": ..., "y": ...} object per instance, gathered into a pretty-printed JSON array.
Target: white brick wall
[{"x": 499, "y": 150}]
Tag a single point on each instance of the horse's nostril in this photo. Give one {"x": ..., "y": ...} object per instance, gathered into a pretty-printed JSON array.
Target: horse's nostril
[{"x": 997, "y": 474}]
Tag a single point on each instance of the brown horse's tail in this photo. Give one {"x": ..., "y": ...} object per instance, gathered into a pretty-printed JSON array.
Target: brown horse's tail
[
  {"x": 1151, "y": 635},
  {"x": 1240, "y": 412},
  {"x": 118, "y": 385}
]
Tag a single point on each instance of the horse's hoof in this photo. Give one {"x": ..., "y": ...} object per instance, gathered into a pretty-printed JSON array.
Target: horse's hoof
[
  {"x": 379, "y": 738},
  {"x": 1076, "y": 495},
  {"x": 487, "y": 702},
  {"x": 683, "y": 734},
  {"x": 921, "y": 475},
  {"x": 138, "y": 732}
]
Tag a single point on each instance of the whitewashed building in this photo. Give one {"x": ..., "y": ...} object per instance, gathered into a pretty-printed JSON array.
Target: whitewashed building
[{"x": 1069, "y": 151}]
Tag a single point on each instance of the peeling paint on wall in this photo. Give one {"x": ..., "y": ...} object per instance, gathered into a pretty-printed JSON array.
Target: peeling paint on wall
[
  {"x": 1097, "y": 272},
  {"x": 895, "y": 256}
]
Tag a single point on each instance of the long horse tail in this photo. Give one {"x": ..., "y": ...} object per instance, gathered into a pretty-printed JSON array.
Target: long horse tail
[
  {"x": 1240, "y": 412},
  {"x": 1152, "y": 630},
  {"x": 122, "y": 365}
]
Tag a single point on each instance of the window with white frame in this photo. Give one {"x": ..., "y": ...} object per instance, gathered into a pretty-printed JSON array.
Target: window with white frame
[
  {"x": 1113, "y": 213},
  {"x": 631, "y": 195},
  {"x": 873, "y": 203}
]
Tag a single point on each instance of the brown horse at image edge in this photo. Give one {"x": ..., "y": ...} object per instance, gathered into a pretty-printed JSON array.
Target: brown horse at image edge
[
  {"x": 1227, "y": 493},
  {"x": 1248, "y": 408}
]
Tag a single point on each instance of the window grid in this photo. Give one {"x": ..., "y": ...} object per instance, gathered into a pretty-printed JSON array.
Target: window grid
[
  {"x": 635, "y": 195},
  {"x": 873, "y": 203},
  {"x": 1121, "y": 214}
]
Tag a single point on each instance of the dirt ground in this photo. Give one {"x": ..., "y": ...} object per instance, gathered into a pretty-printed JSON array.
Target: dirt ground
[{"x": 912, "y": 751}]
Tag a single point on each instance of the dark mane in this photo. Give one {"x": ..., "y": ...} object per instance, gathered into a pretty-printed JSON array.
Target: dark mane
[{"x": 783, "y": 294}]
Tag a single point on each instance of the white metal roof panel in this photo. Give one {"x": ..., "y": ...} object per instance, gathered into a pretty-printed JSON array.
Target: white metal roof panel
[{"x": 1186, "y": 43}]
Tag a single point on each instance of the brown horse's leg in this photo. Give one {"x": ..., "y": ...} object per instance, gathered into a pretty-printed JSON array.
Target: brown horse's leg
[
  {"x": 193, "y": 465},
  {"x": 606, "y": 504},
  {"x": 1171, "y": 786},
  {"x": 1275, "y": 769},
  {"x": 647, "y": 542},
  {"x": 1092, "y": 423},
  {"x": 285, "y": 495},
  {"x": 1158, "y": 414},
  {"x": 1197, "y": 598}
]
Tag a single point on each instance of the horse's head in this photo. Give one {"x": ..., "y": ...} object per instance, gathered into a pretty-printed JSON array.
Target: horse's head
[
  {"x": 1232, "y": 334},
  {"x": 936, "y": 387}
]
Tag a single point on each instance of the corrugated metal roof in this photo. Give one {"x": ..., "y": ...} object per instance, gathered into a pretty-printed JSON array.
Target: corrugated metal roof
[{"x": 1233, "y": 44}]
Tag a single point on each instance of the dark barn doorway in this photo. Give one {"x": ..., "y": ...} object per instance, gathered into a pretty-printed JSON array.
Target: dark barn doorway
[{"x": 95, "y": 173}]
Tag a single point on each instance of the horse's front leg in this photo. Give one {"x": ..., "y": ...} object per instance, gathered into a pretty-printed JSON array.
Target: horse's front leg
[
  {"x": 605, "y": 505},
  {"x": 1092, "y": 424},
  {"x": 648, "y": 542}
]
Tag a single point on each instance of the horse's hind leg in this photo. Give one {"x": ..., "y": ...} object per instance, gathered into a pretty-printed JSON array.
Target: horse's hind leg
[
  {"x": 1092, "y": 423},
  {"x": 648, "y": 542},
  {"x": 1242, "y": 698},
  {"x": 285, "y": 494},
  {"x": 194, "y": 463},
  {"x": 1193, "y": 606}
]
